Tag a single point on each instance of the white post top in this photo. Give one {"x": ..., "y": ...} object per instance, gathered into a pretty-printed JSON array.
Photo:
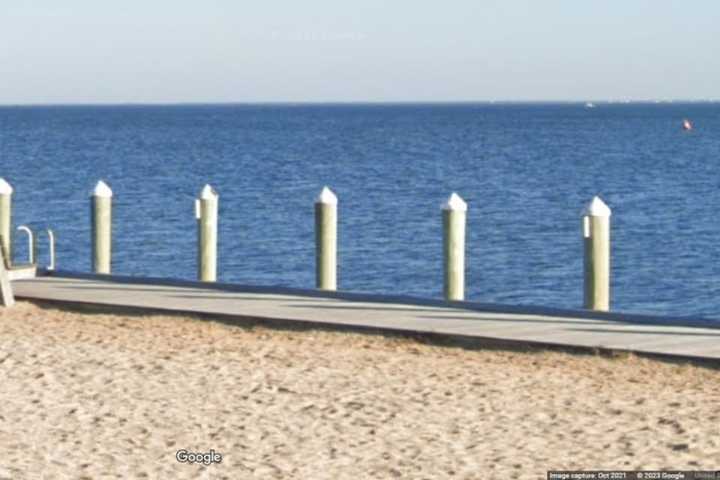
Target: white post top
[
  {"x": 102, "y": 190},
  {"x": 327, "y": 197},
  {"x": 208, "y": 193},
  {"x": 5, "y": 187},
  {"x": 455, "y": 203},
  {"x": 597, "y": 208}
]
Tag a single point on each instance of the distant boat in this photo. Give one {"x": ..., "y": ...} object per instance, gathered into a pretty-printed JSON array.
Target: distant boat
[
  {"x": 589, "y": 105},
  {"x": 686, "y": 125}
]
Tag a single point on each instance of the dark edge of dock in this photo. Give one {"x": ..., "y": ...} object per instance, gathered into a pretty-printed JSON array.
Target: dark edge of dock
[
  {"x": 454, "y": 340},
  {"x": 483, "y": 307}
]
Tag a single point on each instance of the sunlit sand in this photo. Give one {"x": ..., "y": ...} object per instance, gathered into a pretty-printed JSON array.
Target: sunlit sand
[{"x": 113, "y": 394}]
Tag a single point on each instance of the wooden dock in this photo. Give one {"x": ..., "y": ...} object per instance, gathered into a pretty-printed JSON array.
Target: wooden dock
[{"x": 487, "y": 324}]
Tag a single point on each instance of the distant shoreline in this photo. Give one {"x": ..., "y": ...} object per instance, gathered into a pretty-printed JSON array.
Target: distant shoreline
[{"x": 332, "y": 103}]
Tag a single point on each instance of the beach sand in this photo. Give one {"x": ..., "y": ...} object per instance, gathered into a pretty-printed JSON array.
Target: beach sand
[{"x": 115, "y": 394}]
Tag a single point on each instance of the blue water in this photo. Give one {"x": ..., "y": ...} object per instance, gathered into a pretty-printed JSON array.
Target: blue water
[{"x": 526, "y": 171}]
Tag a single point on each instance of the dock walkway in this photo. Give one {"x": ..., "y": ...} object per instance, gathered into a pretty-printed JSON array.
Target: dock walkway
[{"x": 502, "y": 325}]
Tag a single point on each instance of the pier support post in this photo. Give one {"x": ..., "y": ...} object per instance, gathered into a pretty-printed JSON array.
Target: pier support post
[
  {"x": 454, "y": 213},
  {"x": 326, "y": 240},
  {"x": 6, "y": 192},
  {"x": 206, "y": 213},
  {"x": 7, "y": 299},
  {"x": 596, "y": 243},
  {"x": 101, "y": 216}
]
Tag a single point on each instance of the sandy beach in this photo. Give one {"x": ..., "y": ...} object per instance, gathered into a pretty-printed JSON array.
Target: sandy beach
[{"x": 89, "y": 394}]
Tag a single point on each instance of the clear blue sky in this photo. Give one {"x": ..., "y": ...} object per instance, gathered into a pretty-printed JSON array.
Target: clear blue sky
[{"x": 83, "y": 51}]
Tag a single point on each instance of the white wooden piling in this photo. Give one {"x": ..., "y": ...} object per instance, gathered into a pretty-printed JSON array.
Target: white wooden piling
[
  {"x": 454, "y": 213},
  {"x": 7, "y": 299},
  {"x": 596, "y": 243},
  {"x": 326, "y": 240},
  {"x": 101, "y": 217},
  {"x": 206, "y": 213},
  {"x": 6, "y": 192}
]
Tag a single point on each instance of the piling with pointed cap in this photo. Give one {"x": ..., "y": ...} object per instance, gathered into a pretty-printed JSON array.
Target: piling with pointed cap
[
  {"x": 326, "y": 240},
  {"x": 101, "y": 217},
  {"x": 206, "y": 213},
  {"x": 454, "y": 213},
  {"x": 6, "y": 192},
  {"x": 7, "y": 299},
  {"x": 596, "y": 243}
]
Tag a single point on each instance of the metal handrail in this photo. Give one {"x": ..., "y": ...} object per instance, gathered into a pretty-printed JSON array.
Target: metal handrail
[
  {"x": 32, "y": 245},
  {"x": 51, "y": 240}
]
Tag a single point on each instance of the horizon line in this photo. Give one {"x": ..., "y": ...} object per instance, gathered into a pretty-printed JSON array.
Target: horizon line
[{"x": 364, "y": 102}]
